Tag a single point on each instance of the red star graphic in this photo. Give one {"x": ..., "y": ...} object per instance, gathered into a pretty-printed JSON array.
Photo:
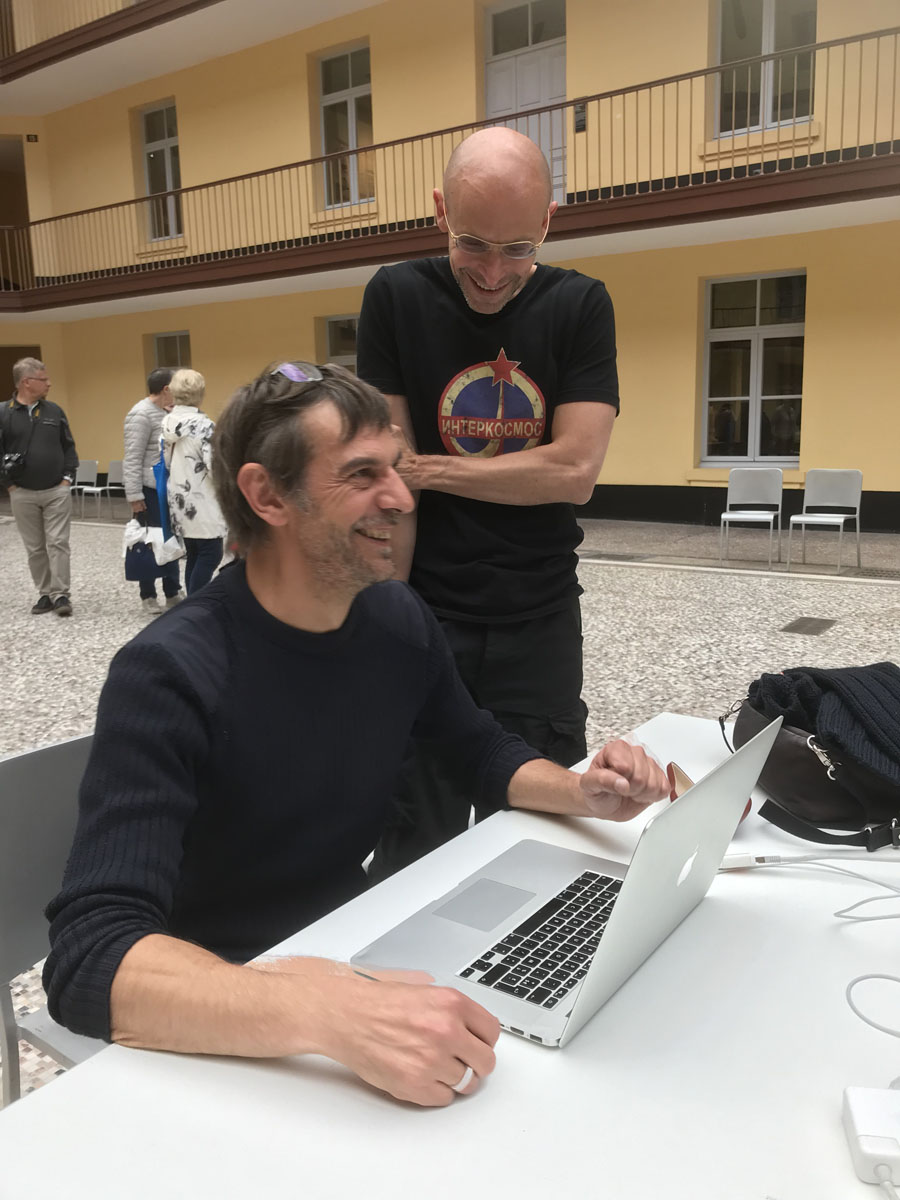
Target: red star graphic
[{"x": 503, "y": 369}]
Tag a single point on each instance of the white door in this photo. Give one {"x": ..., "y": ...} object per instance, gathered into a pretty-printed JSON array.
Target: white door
[{"x": 529, "y": 79}]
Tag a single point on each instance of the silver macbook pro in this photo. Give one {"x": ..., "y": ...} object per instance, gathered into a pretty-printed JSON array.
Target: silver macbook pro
[{"x": 542, "y": 936}]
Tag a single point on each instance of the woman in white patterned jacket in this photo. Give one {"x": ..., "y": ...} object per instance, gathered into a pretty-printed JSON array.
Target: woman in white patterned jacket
[{"x": 193, "y": 509}]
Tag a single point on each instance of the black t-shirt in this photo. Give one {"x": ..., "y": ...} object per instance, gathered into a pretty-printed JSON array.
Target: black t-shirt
[{"x": 481, "y": 385}]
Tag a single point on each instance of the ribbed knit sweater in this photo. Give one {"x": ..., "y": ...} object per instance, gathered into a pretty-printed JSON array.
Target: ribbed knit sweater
[{"x": 240, "y": 774}]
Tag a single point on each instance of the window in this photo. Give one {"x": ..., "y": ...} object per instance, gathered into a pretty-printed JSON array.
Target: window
[
  {"x": 162, "y": 169},
  {"x": 527, "y": 25},
  {"x": 341, "y": 335},
  {"x": 765, "y": 94},
  {"x": 172, "y": 350},
  {"x": 347, "y": 125},
  {"x": 753, "y": 393}
]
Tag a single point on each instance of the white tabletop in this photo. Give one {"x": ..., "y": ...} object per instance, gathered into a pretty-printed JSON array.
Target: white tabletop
[{"x": 715, "y": 1073}]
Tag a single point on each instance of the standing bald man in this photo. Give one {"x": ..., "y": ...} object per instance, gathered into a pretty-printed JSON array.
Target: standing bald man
[{"x": 501, "y": 372}]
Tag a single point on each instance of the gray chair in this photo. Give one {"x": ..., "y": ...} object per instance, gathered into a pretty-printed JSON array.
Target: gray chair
[
  {"x": 38, "y": 811},
  {"x": 758, "y": 486},
  {"x": 86, "y": 477},
  {"x": 115, "y": 481},
  {"x": 827, "y": 489}
]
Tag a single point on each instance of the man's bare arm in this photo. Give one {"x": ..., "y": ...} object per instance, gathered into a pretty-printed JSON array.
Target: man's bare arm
[
  {"x": 404, "y": 536},
  {"x": 565, "y": 470},
  {"x": 411, "y": 1040},
  {"x": 620, "y": 782}
]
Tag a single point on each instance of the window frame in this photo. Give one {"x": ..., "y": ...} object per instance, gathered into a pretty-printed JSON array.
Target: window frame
[
  {"x": 173, "y": 333},
  {"x": 491, "y": 12},
  {"x": 768, "y": 71},
  {"x": 757, "y": 335},
  {"x": 348, "y": 96},
  {"x": 341, "y": 360},
  {"x": 174, "y": 223}
]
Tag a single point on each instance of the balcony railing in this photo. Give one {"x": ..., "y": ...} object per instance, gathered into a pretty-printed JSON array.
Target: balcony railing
[
  {"x": 809, "y": 114},
  {"x": 42, "y": 31}
]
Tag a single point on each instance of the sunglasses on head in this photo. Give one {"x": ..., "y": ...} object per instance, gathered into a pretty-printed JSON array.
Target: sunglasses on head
[{"x": 298, "y": 372}]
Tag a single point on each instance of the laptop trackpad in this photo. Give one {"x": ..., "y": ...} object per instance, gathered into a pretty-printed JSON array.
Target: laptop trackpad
[{"x": 484, "y": 904}]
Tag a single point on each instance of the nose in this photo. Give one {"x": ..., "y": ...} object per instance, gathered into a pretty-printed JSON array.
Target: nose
[
  {"x": 493, "y": 268},
  {"x": 396, "y": 496}
]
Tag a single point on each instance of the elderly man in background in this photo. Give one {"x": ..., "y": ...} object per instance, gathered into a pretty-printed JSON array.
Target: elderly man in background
[
  {"x": 142, "y": 430},
  {"x": 39, "y": 468}
]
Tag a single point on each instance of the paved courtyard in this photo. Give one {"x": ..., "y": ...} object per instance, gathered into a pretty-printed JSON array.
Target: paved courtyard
[{"x": 665, "y": 629}]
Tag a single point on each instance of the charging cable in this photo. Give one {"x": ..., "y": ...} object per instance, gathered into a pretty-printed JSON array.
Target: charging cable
[{"x": 885, "y": 1181}]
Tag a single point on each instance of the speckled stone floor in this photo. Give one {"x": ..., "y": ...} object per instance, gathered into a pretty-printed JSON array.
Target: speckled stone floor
[{"x": 665, "y": 629}]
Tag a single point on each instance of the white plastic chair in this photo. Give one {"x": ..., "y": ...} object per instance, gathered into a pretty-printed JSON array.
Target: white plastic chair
[
  {"x": 761, "y": 486},
  {"x": 86, "y": 479},
  {"x": 829, "y": 489},
  {"x": 115, "y": 482},
  {"x": 38, "y": 811}
]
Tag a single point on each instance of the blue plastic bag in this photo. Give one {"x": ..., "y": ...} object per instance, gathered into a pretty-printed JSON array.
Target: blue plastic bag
[{"x": 161, "y": 475}]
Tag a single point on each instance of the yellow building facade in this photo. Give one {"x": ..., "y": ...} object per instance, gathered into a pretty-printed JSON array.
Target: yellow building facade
[{"x": 424, "y": 67}]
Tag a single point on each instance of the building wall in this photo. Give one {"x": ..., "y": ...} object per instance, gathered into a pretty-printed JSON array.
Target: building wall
[{"x": 850, "y": 413}]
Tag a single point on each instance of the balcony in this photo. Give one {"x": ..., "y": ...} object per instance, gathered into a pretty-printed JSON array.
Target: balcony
[
  {"x": 38, "y": 33},
  {"x": 817, "y": 125}
]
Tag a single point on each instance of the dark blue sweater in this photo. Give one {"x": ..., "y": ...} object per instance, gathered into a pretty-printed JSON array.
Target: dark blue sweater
[{"x": 240, "y": 773}]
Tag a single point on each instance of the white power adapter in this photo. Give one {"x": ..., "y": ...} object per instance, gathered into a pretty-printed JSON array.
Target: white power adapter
[{"x": 872, "y": 1125}]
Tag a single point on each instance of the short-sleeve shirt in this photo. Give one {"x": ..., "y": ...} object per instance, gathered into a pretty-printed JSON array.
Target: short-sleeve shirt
[{"x": 479, "y": 385}]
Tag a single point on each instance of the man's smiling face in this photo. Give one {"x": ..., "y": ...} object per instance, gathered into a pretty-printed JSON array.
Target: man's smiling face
[
  {"x": 484, "y": 207},
  {"x": 353, "y": 499}
]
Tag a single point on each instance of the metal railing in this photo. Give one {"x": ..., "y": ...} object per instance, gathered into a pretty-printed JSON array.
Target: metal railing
[{"x": 817, "y": 106}]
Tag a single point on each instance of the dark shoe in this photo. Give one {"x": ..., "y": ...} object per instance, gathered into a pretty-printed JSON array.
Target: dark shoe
[
  {"x": 62, "y": 606},
  {"x": 44, "y": 604}
]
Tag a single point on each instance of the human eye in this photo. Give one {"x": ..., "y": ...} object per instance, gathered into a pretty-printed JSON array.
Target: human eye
[
  {"x": 519, "y": 249},
  {"x": 471, "y": 245}
]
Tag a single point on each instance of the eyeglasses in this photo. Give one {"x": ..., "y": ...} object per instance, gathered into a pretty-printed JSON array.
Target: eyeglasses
[
  {"x": 298, "y": 372},
  {"x": 473, "y": 245}
]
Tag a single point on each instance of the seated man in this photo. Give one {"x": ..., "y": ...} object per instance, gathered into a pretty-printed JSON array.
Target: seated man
[{"x": 245, "y": 754}]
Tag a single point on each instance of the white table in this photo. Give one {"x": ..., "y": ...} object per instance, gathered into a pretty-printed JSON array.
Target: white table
[{"x": 716, "y": 1073}]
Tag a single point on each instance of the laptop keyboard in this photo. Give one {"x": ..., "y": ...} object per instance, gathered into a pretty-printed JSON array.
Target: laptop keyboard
[{"x": 542, "y": 959}]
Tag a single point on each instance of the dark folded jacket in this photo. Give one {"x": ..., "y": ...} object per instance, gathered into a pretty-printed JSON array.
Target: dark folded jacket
[{"x": 854, "y": 710}]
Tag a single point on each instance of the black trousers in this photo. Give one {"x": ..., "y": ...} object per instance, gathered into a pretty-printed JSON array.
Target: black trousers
[{"x": 529, "y": 675}]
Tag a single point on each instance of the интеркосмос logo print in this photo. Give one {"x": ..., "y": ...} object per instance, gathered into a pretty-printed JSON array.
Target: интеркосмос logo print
[{"x": 491, "y": 408}]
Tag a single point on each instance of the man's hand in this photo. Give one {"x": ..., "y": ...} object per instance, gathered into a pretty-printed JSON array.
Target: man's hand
[
  {"x": 138, "y": 506},
  {"x": 406, "y": 467},
  {"x": 395, "y": 1031},
  {"x": 621, "y": 781},
  {"x": 411, "y": 1040}
]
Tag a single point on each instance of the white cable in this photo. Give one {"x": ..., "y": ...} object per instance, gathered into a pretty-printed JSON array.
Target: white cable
[
  {"x": 752, "y": 862},
  {"x": 885, "y": 1181},
  {"x": 862, "y": 1016}
]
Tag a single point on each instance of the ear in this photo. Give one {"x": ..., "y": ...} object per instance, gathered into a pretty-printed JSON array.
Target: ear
[
  {"x": 550, "y": 211},
  {"x": 440, "y": 210},
  {"x": 257, "y": 489}
]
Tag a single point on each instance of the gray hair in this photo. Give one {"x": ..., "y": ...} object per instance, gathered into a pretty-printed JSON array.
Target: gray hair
[
  {"x": 187, "y": 387},
  {"x": 25, "y": 368}
]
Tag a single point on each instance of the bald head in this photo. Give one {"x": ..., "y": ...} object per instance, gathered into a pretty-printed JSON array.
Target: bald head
[{"x": 498, "y": 156}]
